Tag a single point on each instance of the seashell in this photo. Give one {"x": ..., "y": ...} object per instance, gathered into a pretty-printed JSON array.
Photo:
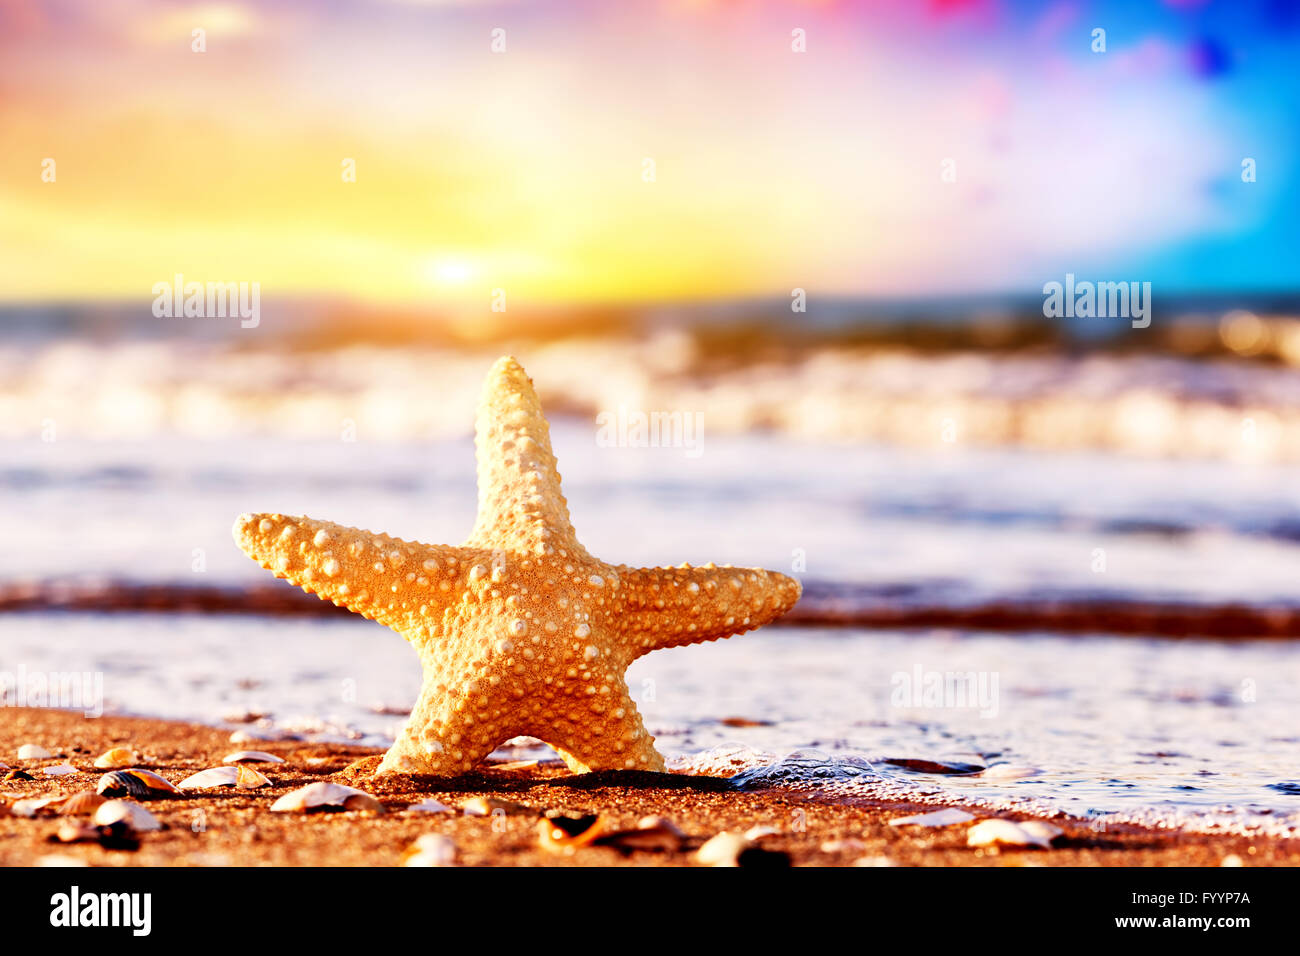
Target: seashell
[
  {"x": 127, "y": 813},
  {"x": 141, "y": 784},
  {"x": 997, "y": 832},
  {"x": 205, "y": 779},
  {"x": 565, "y": 834},
  {"x": 432, "y": 849},
  {"x": 938, "y": 818},
  {"x": 34, "y": 806},
  {"x": 652, "y": 834},
  {"x": 430, "y": 806},
  {"x": 18, "y": 775},
  {"x": 486, "y": 806},
  {"x": 59, "y": 770},
  {"x": 81, "y": 804},
  {"x": 76, "y": 833},
  {"x": 728, "y": 849},
  {"x": 60, "y": 859},
  {"x": 251, "y": 756},
  {"x": 115, "y": 758},
  {"x": 33, "y": 752},
  {"x": 249, "y": 779},
  {"x": 874, "y": 861},
  {"x": 756, "y": 833},
  {"x": 515, "y": 765},
  {"x": 722, "y": 850},
  {"x": 326, "y": 796},
  {"x": 4, "y": 766}
]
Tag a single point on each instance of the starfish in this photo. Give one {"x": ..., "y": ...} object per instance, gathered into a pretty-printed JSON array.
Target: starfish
[{"x": 519, "y": 630}]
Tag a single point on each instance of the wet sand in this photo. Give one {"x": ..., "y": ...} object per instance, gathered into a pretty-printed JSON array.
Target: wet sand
[{"x": 234, "y": 827}]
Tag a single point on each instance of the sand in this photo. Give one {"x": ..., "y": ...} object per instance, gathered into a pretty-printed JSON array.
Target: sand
[{"x": 232, "y": 827}]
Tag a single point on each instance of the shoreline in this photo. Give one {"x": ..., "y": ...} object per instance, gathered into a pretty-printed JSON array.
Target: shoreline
[
  {"x": 236, "y": 827},
  {"x": 823, "y": 604}
]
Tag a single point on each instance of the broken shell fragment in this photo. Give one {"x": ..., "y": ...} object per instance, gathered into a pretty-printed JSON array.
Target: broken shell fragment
[
  {"x": 565, "y": 834},
  {"x": 115, "y": 758},
  {"x": 81, "y": 804},
  {"x": 432, "y": 849},
  {"x": 998, "y": 832},
  {"x": 127, "y": 813},
  {"x": 33, "y": 752},
  {"x": 249, "y": 779},
  {"x": 326, "y": 796},
  {"x": 251, "y": 756},
  {"x": 59, "y": 770},
  {"x": 141, "y": 784}
]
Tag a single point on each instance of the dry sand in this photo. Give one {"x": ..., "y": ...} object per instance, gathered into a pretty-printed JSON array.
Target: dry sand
[{"x": 233, "y": 827}]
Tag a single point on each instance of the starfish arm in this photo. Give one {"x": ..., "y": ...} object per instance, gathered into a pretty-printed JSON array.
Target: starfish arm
[
  {"x": 405, "y": 585},
  {"x": 520, "y": 504},
  {"x": 604, "y": 732},
  {"x": 673, "y": 607}
]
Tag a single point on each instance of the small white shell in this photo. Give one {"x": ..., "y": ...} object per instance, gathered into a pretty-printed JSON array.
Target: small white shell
[
  {"x": 128, "y": 812},
  {"x": 1008, "y": 833},
  {"x": 32, "y": 806},
  {"x": 115, "y": 759},
  {"x": 59, "y": 770},
  {"x": 251, "y": 756},
  {"x": 33, "y": 752},
  {"x": 325, "y": 796},
  {"x": 215, "y": 777},
  {"x": 938, "y": 818},
  {"x": 722, "y": 850}
]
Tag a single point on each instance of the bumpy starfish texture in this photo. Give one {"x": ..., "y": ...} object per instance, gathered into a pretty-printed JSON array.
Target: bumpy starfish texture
[{"x": 520, "y": 631}]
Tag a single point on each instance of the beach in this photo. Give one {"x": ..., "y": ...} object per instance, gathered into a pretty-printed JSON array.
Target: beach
[{"x": 229, "y": 827}]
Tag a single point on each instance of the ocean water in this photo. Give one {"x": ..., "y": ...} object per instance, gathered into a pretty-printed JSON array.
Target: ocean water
[{"x": 1191, "y": 733}]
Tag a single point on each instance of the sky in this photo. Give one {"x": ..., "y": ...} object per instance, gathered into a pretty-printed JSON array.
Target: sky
[{"x": 935, "y": 148}]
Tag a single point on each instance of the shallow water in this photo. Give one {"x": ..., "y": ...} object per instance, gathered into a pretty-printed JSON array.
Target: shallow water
[
  {"x": 1198, "y": 734},
  {"x": 957, "y": 526}
]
